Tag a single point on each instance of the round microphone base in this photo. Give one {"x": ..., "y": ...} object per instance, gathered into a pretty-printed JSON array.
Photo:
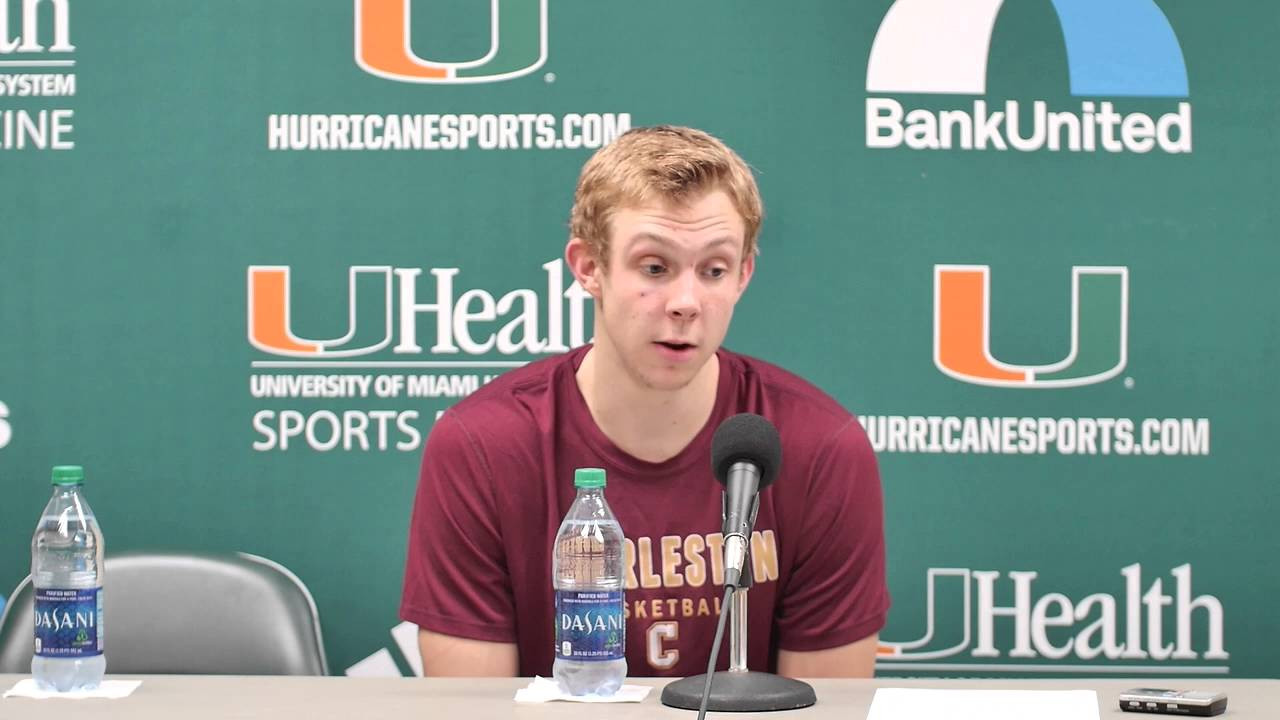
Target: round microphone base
[{"x": 740, "y": 691}]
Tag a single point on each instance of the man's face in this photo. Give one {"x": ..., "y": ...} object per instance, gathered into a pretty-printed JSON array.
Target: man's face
[{"x": 667, "y": 295}]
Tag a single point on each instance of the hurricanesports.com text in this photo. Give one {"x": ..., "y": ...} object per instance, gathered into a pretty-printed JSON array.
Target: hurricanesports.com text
[
  {"x": 1036, "y": 435},
  {"x": 465, "y": 131}
]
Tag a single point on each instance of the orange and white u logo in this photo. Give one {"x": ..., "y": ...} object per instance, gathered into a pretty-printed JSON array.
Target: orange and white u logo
[
  {"x": 269, "y": 315},
  {"x": 962, "y": 329},
  {"x": 517, "y": 45}
]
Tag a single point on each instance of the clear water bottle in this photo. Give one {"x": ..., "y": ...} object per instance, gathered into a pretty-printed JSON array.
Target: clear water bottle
[
  {"x": 66, "y": 571},
  {"x": 587, "y": 574}
]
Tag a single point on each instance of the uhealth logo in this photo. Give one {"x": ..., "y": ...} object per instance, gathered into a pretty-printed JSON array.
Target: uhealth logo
[
  {"x": 28, "y": 39},
  {"x": 534, "y": 321},
  {"x": 1102, "y": 626},
  {"x": 1115, "y": 48},
  {"x": 517, "y": 44},
  {"x": 37, "y": 62},
  {"x": 962, "y": 329}
]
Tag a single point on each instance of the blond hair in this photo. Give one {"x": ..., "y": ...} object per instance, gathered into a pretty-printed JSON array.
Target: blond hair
[{"x": 664, "y": 163}]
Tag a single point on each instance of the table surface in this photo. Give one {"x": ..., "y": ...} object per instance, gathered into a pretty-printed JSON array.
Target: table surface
[{"x": 194, "y": 697}]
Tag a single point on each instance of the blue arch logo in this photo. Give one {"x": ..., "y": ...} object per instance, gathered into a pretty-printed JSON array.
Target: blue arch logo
[{"x": 1118, "y": 48}]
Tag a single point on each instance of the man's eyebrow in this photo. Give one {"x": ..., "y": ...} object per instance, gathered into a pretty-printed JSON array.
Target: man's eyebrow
[{"x": 668, "y": 242}]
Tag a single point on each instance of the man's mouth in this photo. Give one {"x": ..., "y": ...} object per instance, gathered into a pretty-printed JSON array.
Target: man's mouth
[{"x": 677, "y": 346}]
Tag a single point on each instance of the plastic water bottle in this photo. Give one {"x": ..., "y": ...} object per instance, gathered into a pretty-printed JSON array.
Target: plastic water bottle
[
  {"x": 587, "y": 574},
  {"x": 66, "y": 570}
]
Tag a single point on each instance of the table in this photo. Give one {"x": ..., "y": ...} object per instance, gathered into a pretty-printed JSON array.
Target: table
[{"x": 197, "y": 697}]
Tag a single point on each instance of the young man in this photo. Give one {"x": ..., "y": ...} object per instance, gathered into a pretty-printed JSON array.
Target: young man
[{"x": 663, "y": 236}]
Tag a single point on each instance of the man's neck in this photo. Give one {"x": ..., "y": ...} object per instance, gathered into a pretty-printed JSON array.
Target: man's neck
[{"x": 650, "y": 425}]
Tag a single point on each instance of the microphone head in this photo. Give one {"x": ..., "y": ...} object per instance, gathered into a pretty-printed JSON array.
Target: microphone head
[{"x": 750, "y": 438}]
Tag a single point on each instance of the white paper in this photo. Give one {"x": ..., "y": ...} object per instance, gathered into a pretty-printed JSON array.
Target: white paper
[
  {"x": 406, "y": 636},
  {"x": 109, "y": 689},
  {"x": 925, "y": 704},
  {"x": 544, "y": 690},
  {"x": 379, "y": 664}
]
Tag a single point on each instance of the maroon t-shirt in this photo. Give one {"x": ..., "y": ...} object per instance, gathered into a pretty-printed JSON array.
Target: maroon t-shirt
[{"x": 497, "y": 478}]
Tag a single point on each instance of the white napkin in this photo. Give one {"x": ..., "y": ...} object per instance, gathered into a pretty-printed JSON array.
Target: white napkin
[
  {"x": 110, "y": 689},
  {"x": 927, "y": 704},
  {"x": 544, "y": 690}
]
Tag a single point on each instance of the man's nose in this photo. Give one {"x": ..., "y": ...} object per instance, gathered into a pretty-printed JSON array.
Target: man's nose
[{"x": 684, "y": 302}]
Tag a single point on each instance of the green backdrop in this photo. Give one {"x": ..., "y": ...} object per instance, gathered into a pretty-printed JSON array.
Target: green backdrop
[{"x": 183, "y": 155}]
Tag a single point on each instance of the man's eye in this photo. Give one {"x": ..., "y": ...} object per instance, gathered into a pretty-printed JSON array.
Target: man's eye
[
  {"x": 717, "y": 272},
  {"x": 652, "y": 269}
]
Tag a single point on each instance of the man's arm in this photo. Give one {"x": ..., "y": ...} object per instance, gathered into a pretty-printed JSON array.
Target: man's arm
[
  {"x": 448, "y": 656},
  {"x": 855, "y": 660},
  {"x": 835, "y": 601},
  {"x": 457, "y": 589}
]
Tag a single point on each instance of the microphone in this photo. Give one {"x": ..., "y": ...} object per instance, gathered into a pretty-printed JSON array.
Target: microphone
[{"x": 745, "y": 457}]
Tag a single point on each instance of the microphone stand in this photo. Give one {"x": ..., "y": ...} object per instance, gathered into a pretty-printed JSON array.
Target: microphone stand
[{"x": 739, "y": 689}]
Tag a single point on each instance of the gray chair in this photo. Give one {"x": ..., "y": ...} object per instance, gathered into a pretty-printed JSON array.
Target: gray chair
[{"x": 169, "y": 613}]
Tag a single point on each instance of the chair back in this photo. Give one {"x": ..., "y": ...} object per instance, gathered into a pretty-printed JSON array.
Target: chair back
[{"x": 172, "y": 613}]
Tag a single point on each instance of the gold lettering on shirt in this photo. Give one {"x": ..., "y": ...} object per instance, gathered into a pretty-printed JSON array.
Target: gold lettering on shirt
[
  {"x": 629, "y": 560},
  {"x": 644, "y": 549},
  {"x": 695, "y": 569},
  {"x": 664, "y": 608},
  {"x": 671, "y": 561},
  {"x": 764, "y": 556},
  {"x": 679, "y": 561},
  {"x": 661, "y": 657}
]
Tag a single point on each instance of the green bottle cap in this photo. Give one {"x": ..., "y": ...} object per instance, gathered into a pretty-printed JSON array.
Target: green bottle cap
[
  {"x": 68, "y": 475},
  {"x": 588, "y": 478}
]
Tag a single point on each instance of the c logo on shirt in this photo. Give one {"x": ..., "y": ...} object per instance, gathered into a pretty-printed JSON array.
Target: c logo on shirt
[{"x": 659, "y": 656}]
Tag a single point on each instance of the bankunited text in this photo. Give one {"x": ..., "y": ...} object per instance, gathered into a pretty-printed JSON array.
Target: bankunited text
[{"x": 1097, "y": 126}]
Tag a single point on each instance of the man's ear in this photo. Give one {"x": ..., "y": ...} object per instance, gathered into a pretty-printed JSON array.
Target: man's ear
[
  {"x": 585, "y": 266},
  {"x": 748, "y": 269}
]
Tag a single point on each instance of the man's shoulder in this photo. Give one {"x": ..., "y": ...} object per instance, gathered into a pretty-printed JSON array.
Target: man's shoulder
[
  {"x": 787, "y": 393},
  {"x": 814, "y": 427}
]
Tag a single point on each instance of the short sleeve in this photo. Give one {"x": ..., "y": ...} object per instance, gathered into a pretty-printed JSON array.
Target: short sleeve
[
  {"x": 456, "y": 580},
  {"x": 836, "y": 593}
]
